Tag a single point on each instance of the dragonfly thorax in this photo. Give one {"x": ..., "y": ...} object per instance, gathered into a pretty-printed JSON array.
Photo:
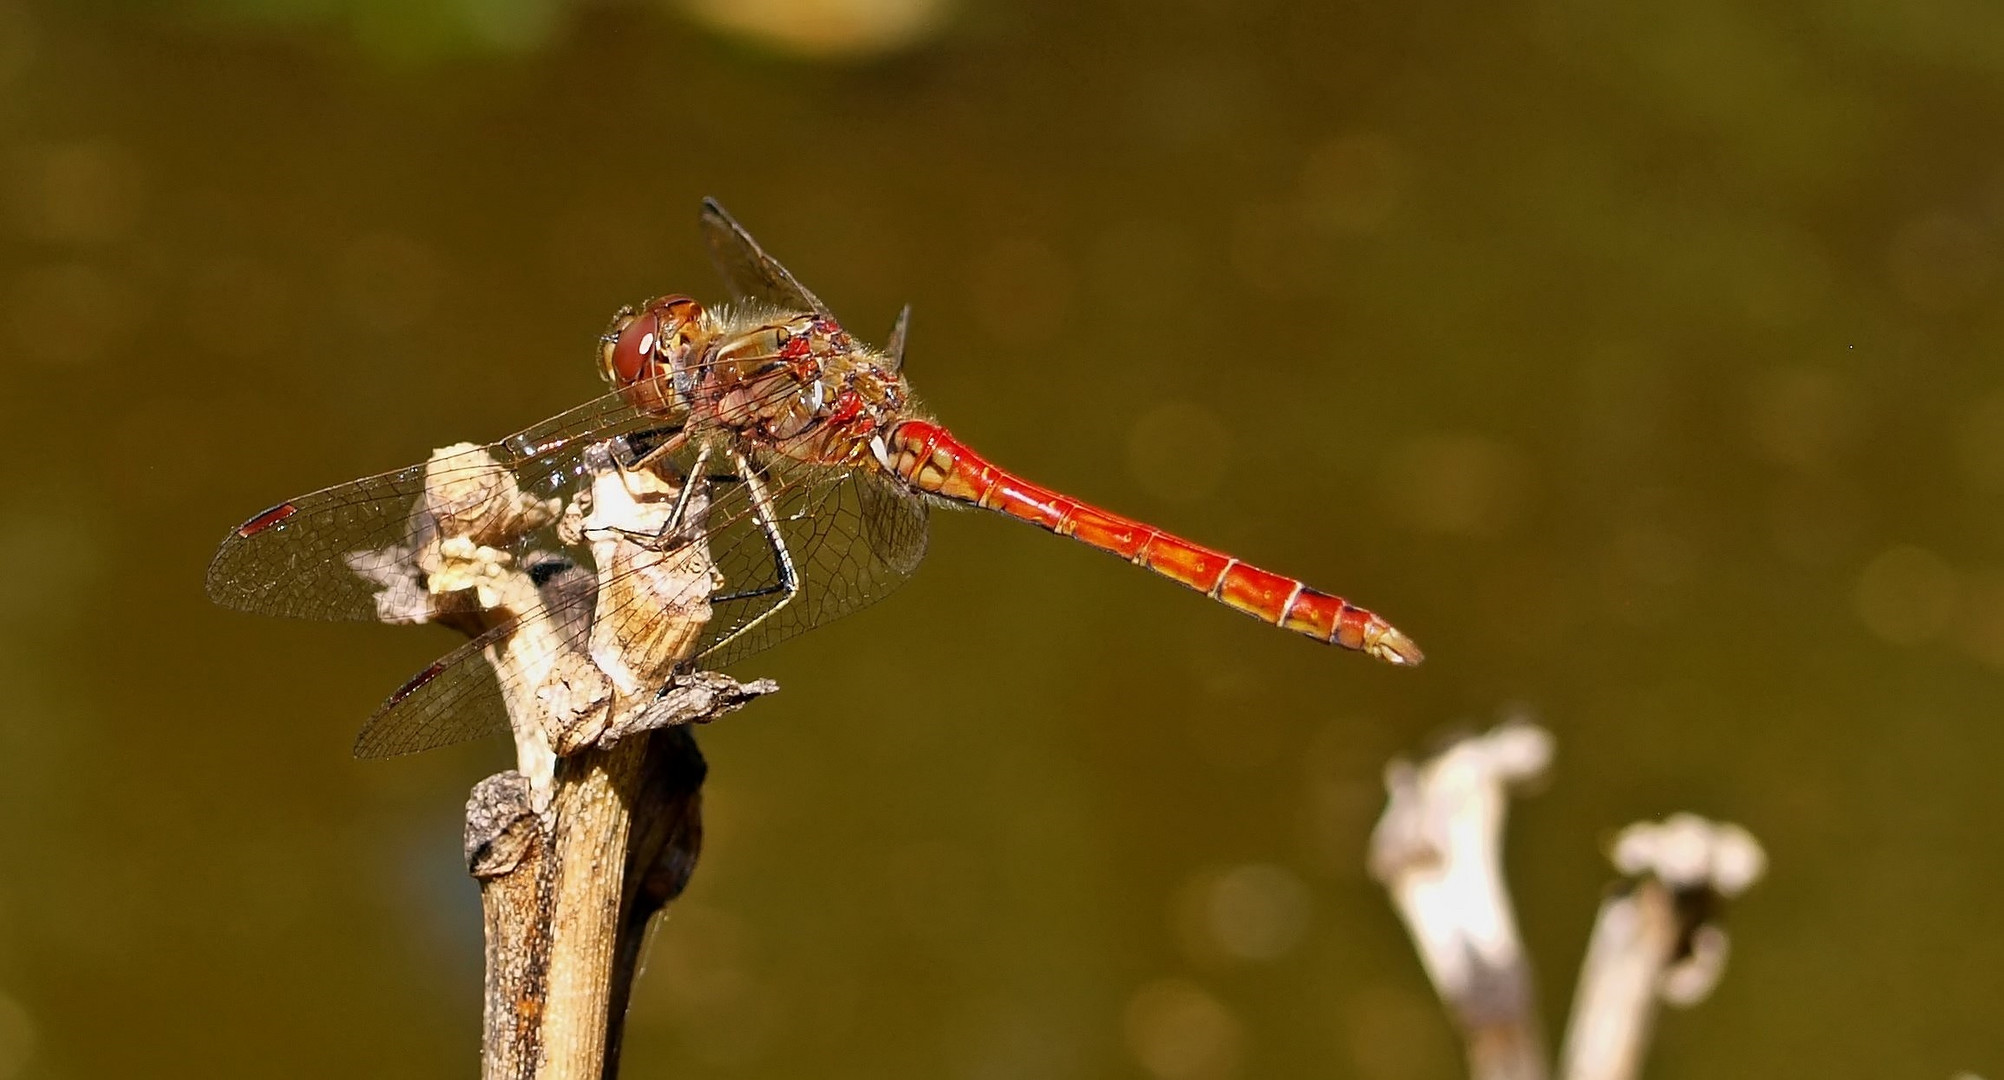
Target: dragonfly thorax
[{"x": 795, "y": 384}]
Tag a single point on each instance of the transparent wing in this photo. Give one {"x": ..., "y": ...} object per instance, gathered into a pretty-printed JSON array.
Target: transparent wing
[
  {"x": 850, "y": 536},
  {"x": 894, "y": 346},
  {"x": 294, "y": 559},
  {"x": 455, "y": 699},
  {"x": 748, "y": 272},
  {"x": 460, "y": 696},
  {"x": 853, "y": 539}
]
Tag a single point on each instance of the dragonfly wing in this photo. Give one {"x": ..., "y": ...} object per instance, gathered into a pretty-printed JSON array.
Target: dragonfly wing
[
  {"x": 894, "y": 526},
  {"x": 894, "y": 346},
  {"x": 289, "y": 561},
  {"x": 316, "y": 556},
  {"x": 851, "y": 536},
  {"x": 456, "y": 699},
  {"x": 465, "y": 695},
  {"x": 748, "y": 272}
]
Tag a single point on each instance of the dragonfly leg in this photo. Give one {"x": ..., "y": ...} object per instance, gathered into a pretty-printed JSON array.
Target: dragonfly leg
[
  {"x": 677, "y": 438},
  {"x": 768, "y": 523},
  {"x": 694, "y": 477},
  {"x": 663, "y": 538}
]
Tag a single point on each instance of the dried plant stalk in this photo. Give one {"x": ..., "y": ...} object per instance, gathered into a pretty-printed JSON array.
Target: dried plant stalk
[
  {"x": 1438, "y": 849},
  {"x": 600, "y": 825},
  {"x": 1656, "y": 941}
]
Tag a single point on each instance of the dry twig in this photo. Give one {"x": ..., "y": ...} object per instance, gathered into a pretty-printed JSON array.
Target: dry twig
[
  {"x": 1438, "y": 849},
  {"x": 600, "y": 825},
  {"x": 1656, "y": 939}
]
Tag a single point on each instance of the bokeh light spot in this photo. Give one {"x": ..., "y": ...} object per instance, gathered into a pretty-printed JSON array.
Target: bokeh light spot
[
  {"x": 1980, "y": 618},
  {"x": 1802, "y": 416},
  {"x": 1906, "y": 595},
  {"x": 76, "y": 193},
  {"x": 1254, "y": 912},
  {"x": 1178, "y": 1031},
  {"x": 1460, "y": 484},
  {"x": 1352, "y": 183},
  {"x": 1942, "y": 262},
  {"x": 68, "y": 314},
  {"x": 824, "y": 29}
]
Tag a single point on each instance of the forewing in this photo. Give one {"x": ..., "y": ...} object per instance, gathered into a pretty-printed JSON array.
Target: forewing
[
  {"x": 288, "y": 560},
  {"x": 297, "y": 559},
  {"x": 344, "y": 553},
  {"x": 894, "y": 346},
  {"x": 748, "y": 272}
]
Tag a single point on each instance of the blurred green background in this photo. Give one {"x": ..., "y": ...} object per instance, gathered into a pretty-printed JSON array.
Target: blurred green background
[{"x": 1641, "y": 361}]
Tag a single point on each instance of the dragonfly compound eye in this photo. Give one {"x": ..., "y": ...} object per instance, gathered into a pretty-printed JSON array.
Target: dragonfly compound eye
[
  {"x": 640, "y": 351},
  {"x": 609, "y": 344}
]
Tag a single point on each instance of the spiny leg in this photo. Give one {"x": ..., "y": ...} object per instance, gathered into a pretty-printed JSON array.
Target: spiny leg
[
  {"x": 689, "y": 481},
  {"x": 678, "y": 437},
  {"x": 662, "y": 538},
  {"x": 768, "y": 523}
]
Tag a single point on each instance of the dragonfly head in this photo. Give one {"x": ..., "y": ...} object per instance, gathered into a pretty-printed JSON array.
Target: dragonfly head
[{"x": 645, "y": 354}]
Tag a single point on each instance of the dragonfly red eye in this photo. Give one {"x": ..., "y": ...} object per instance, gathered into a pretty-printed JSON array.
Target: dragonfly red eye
[{"x": 638, "y": 347}]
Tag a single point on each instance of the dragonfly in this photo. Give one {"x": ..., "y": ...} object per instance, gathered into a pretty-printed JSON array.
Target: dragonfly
[{"x": 803, "y": 467}]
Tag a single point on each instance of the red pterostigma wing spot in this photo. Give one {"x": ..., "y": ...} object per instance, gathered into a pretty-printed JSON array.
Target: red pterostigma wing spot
[
  {"x": 299, "y": 570},
  {"x": 266, "y": 520}
]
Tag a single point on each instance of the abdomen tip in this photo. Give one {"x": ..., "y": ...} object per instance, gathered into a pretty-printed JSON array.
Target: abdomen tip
[{"x": 1395, "y": 648}]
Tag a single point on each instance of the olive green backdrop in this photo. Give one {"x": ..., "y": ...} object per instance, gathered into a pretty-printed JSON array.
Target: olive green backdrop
[{"x": 1641, "y": 361}]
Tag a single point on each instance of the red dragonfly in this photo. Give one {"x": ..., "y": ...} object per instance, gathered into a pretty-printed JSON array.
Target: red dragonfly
[{"x": 816, "y": 467}]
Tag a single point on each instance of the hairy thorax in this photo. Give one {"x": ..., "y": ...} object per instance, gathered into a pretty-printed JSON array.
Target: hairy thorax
[{"x": 794, "y": 385}]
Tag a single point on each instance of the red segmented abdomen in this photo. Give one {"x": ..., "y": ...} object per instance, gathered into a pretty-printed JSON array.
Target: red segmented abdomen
[{"x": 931, "y": 459}]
